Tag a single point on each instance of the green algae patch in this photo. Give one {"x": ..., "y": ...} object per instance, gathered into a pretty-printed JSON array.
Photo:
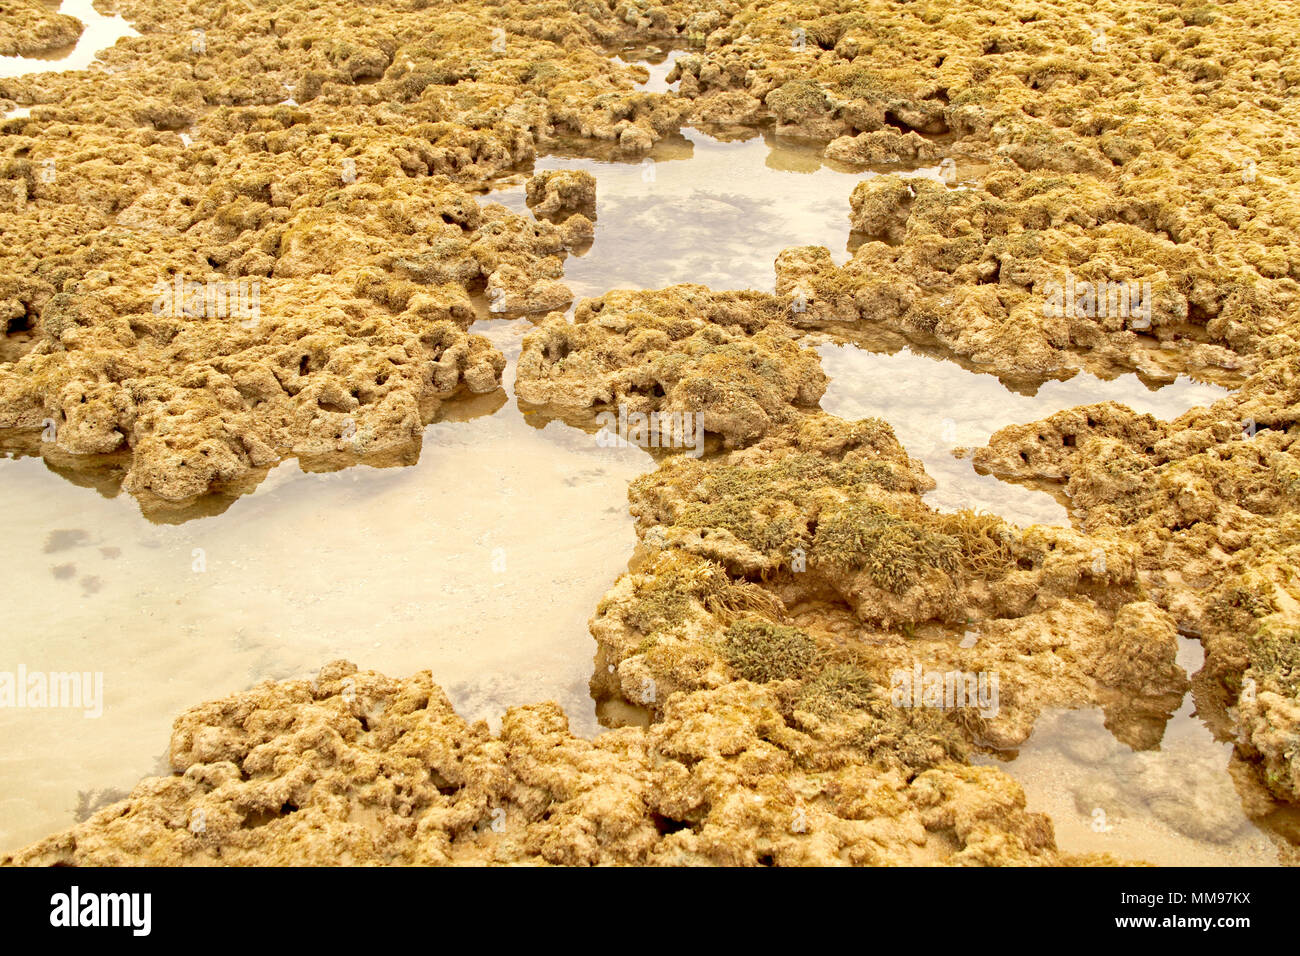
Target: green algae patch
[
  {"x": 797, "y": 100},
  {"x": 761, "y": 651},
  {"x": 838, "y": 688},
  {"x": 986, "y": 542},
  {"x": 1242, "y": 602},
  {"x": 676, "y": 585},
  {"x": 894, "y": 551},
  {"x": 1275, "y": 659},
  {"x": 911, "y": 739},
  {"x": 764, "y": 506}
]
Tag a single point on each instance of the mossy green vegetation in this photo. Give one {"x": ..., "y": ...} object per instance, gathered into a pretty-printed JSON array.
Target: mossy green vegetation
[
  {"x": 761, "y": 651},
  {"x": 797, "y": 99},
  {"x": 844, "y": 514},
  {"x": 893, "y": 550},
  {"x": 914, "y": 740},
  {"x": 839, "y": 687},
  {"x": 986, "y": 542},
  {"x": 1241, "y": 603},
  {"x": 677, "y": 582},
  {"x": 766, "y": 506},
  {"x": 1275, "y": 659}
]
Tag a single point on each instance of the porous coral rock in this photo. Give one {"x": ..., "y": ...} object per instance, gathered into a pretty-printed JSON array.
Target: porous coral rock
[
  {"x": 30, "y": 28},
  {"x": 356, "y": 768},
  {"x": 558, "y": 191},
  {"x": 1209, "y": 502},
  {"x": 828, "y": 519},
  {"x": 1160, "y": 152},
  {"x": 724, "y": 357}
]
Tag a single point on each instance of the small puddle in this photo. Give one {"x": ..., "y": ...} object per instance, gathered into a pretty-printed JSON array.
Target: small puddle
[
  {"x": 702, "y": 209},
  {"x": 100, "y": 33},
  {"x": 1172, "y": 806},
  {"x": 935, "y": 405},
  {"x": 658, "y": 61},
  {"x": 482, "y": 562}
]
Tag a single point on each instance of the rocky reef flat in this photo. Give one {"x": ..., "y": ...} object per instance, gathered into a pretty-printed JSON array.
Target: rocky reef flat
[{"x": 264, "y": 232}]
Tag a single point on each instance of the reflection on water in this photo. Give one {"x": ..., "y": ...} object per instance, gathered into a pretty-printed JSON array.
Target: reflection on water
[
  {"x": 1173, "y": 806},
  {"x": 484, "y": 560},
  {"x": 657, "y": 61},
  {"x": 699, "y": 209},
  {"x": 936, "y": 405},
  {"x": 100, "y": 33},
  {"x": 482, "y": 563}
]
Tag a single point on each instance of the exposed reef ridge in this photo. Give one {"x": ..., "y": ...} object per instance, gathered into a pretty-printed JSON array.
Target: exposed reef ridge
[
  {"x": 355, "y": 768},
  {"x": 338, "y": 159},
  {"x": 30, "y": 28},
  {"x": 340, "y": 175}
]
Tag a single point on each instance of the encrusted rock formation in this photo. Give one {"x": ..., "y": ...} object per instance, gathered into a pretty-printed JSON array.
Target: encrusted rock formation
[{"x": 1120, "y": 196}]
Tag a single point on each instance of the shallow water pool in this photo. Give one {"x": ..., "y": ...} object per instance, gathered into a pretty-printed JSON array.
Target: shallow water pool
[
  {"x": 936, "y": 405},
  {"x": 1174, "y": 805},
  {"x": 482, "y": 561},
  {"x": 99, "y": 33},
  {"x": 703, "y": 209}
]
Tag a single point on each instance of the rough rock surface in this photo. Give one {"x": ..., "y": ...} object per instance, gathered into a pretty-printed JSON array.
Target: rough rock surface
[
  {"x": 726, "y": 357},
  {"x": 975, "y": 270},
  {"x": 1209, "y": 502},
  {"x": 560, "y": 193},
  {"x": 339, "y": 156},
  {"x": 30, "y": 28},
  {"x": 830, "y": 522},
  {"x": 355, "y": 768}
]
